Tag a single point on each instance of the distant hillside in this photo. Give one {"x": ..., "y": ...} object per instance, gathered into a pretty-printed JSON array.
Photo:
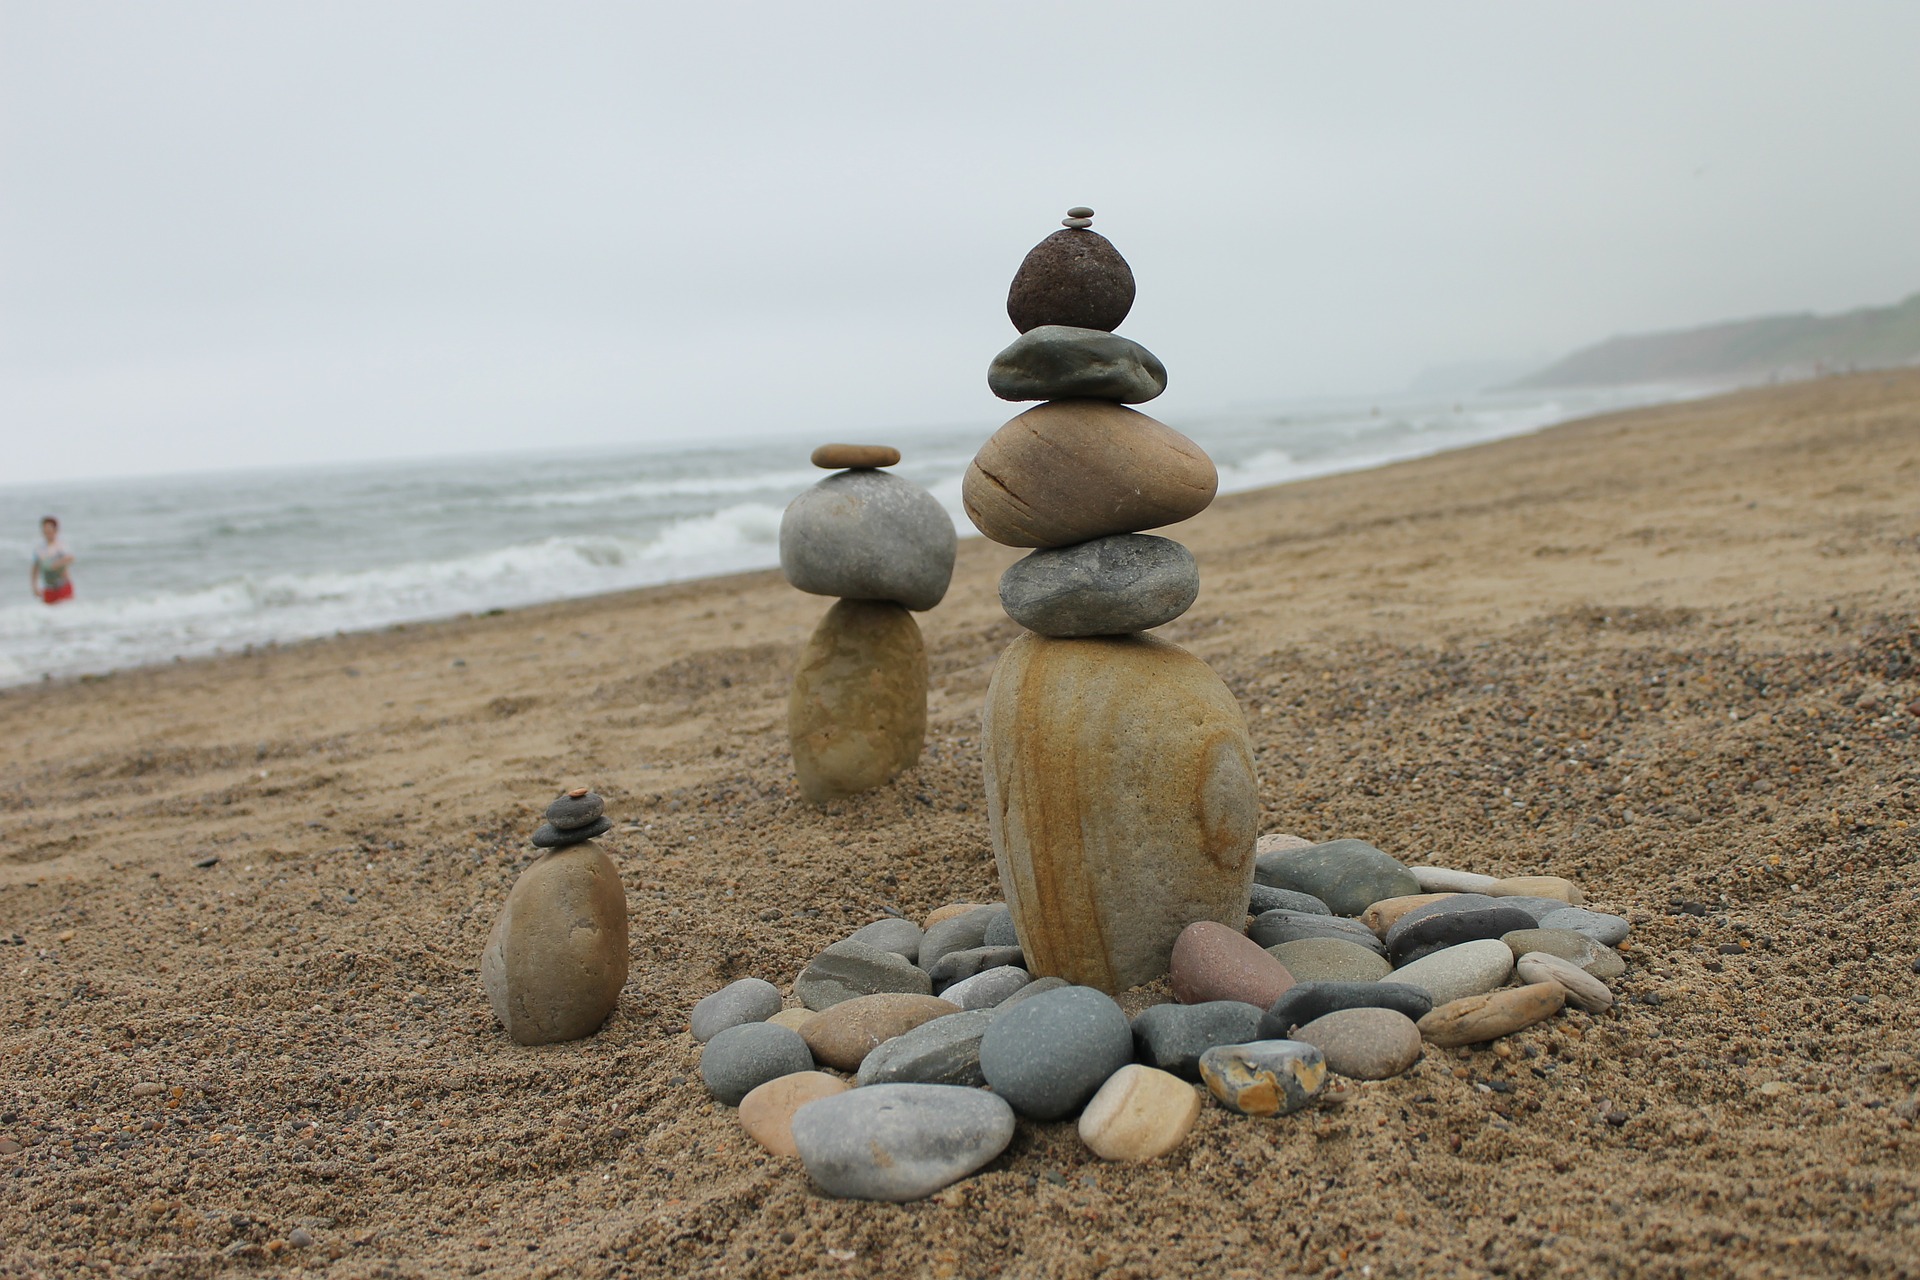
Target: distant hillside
[{"x": 1794, "y": 346}]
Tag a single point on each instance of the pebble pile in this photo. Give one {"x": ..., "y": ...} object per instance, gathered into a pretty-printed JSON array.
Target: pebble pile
[
  {"x": 916, "y": 1051},
  {"x": 884, "y": 545},
  {"x": 1119, "y": 772},
  {"x": 557, "y": 957}
]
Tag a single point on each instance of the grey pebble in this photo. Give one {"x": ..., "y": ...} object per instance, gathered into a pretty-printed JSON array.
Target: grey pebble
[
  {"x": 741, "y": 1059},
  {"x": 902, "y": 937},
  {"x": 570, "y": 813},
  {"x": 1172, "y": 1037},
  {"x": 989, "y": 988},
  {"x": 868, "y": 535},
  {"x": 1313, "y": 1000},
  {"x": 1601, "y": 927},
  {"x": 1048, "y": 1055},
  {"x": 747, "y": 1000},
  {"x": 1330, "y": 960},
  {"x": 957, "y": 933},
  {"x": 1348, "y": 875},
  {"x": 899, "y": 1142},
  {"x": 1538, "y": 908},
  {"x": 1271, "y": 928},
  {"x": 1109, "y": 586},
  {"x": 1038, "y": 987},
  {"x": 944, "y": 1051},
  {"x": 1364, "y": 1044},
  {"x": 1000, "y": 932},
  {"x": 957, "y": 966},
  {"x": 848, "y": 969},
  {"x": 1058, "y": 362},
  {"x": 1267, "y": 898},
  {"x": 1470, "y": 969}
]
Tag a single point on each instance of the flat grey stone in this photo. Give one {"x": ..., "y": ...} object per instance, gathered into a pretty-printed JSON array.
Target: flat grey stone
[
  {"x": 741, "y": 1059},
  {"x": 957, "y": 966},
  {"x": 748, "y": 1000},
  {"x": 1601, "y": 927},
  {"x": 1596, "y": 958},
  {"x": 1048, "y": 1055},
  {"x": 868, "y": 535},
  {"x": 1038, "y": 987},
  {"x": 1312, "y": 1000},
  {"x": 957, "y": 933},
  {"x": 848, "y": 969},
  {"x": 1267, "y": 898},
  {"x": 988, "y": 988},
  {"x": 1470, "y": 969},
  {"x": 1058, "y": 362},
  {"x": 902, "y": 937},
  {"x": 944, "y": 1051},
  {"x": 1348, "y": 875},
  {"x": 571, "y": 813},
  {"x": 1271, "y": 928},
  {"x": 1109, "y": 586},
  {"x": 1264, "y": 1077},
  {"x": 1330, "y": 960},
  {"x": 1409, "y": 940},
  {"x": 1173, "y": 1036},
  {"x": 899, "y": 1142},
  {"x": 1001, "y": 933}
]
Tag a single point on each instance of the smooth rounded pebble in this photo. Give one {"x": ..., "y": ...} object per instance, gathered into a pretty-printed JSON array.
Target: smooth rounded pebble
[
  {"x": 1103, "y": 587},
  {"x": 1000, "y": 930},
  {"x": 1265, "y": 898},
  {"x": 1382, "y": 915},
  {"x": 849, "y": 969},
  {"x": 1602, "y": 928},
  {"x": 1448, "y": 880},
  {"x": 1537, "y": 887},
  {"x": 1266, "y": 1077},
  {"x": 766, "y": 1113},
  {"x": 902, "y": 937},
  {"x": 1330, "y": 960},
  {"x": 1173, "y": 1036},
  {"x": 988, "y": 988},
  {"x": 1059, "y": 362},
  {"x": 1538, "y": 908},
  {"x": 1602, "y": 961},
  {"x": 1047, "y": 1056},
  {"x": 1276, "y": 841},
  {"x": 1488, "y": 1017},
  {"x": 953, "y": 910},
  {"x": 899, "y": 1142},
  {"x": 793, "y": 1018},
  {"x": 556, "y": 958},
  {"x": 748, "y": 1000},
  {"x": 962, "y": 931},
  {"x": 1408, "y": 940},
  {"x": 835, "y": 457},
  {"x": 1311, "y": 1001},
  {"x": 943, "y": 1051},
  {"x": 740, "y": 1059},
  {"x": 1213, "y": 962},
  {"x": 844, "y": 1035},
  {"x": 1138, "y": 1114},
  {"x": 957, "y": 966},
  {"x": 1584, "y": 991},
  {"x": 1364, "y": 1044},
  {"x": 1470, "y": 969},
  {"x": 869, "y": 535},
  {"x": 1348, "y": 875},
  {"x": 1075, "y": 278},
  {"x": 1271, "y": 928}
]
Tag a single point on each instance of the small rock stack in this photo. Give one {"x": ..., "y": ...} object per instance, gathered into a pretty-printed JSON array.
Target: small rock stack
[
  {"x": 557, "y": 956},
  {"x": 884, "y": 545},
  {"x": 1119, "y": 771}
]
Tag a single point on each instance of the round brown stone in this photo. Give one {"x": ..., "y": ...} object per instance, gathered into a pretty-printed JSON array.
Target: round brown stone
[
  {"x": 858, "y": 711},
  {"x": 1364, "y": 1044},
  {"x": 1073, "y": 277},
  {"x": 844, "y": 1035},
  {"x": 838, "y": 457}
]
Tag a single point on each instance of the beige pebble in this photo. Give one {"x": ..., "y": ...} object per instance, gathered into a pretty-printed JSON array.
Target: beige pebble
[
  {"x": 1139, "y": 1113},
  {"x": 1280, "y": 842},
  {"x": 766, "y": 1113},
  {"x": 148, "y": 1089},
  {"x": 794, "y": 1018},
  {"x": 1380, "y": 916},
  {"x": 1537, "y": 887},
  {"x": 951, "y": 910},
  {"x": 834, "y": 457},
  {"x": 1496, "y": 1014},
  {"x": 1584, "y": 991},
  {"x": 1596, "y": 958},
  {"x": 1364, "y": 1044},
  {"x": 843, "y": 1036}
]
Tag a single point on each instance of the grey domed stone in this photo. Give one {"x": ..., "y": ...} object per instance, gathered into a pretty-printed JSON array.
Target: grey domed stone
[
  {"x": 1001, "y": 932},
  {"x": 902, "y": 937},
  {"x": 1348, "y": 875},
  {"x": 1048, "y": 1055},
  {"x": 571, "y": 812},
  {"x": 1331, "y": 960},
  {"x": 958, "y": 933},
  {"x": 899, "y": 1142},
  {"x": 1271, "y": 928},
  {"x": 988, "y": 988},
  {"x": 1109, "y": 586},
  {"x": 1173, "y": 1036},
  {"x": 1266, "y": 898},
  {"x": 1058, "y": 362},
  {"x": 748, "y": 1000},
  {"x": 1470, "y": 969},
  {"x": 741, "y": 1059},
  {"x": 1033, "y": 990},
  {"x": 943, "y": 1051},
  {"x": 868, "y": 535}
]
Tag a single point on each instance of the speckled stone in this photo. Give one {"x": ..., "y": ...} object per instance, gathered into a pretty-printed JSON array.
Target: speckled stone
[
  {"x": 556, "y": 958},
  {"x": 989, "y": 988},
  {"x": 741, "y": 1059},
  {"x": 1047, "y": 1056},
  {"x": 848, "y": 969},
  {"x": 1330, "y": 960},
  {"x": 1000, "y": 930},
  {"x": 1364, "y": 1044},
  {"x": 1172, "y": 1037},
  {"x": 1348, "y": 875},
  {"x": 1470, "y": 969},
  {"x": 899, "y": 1142},
  {"x": 945, "y": 1050},
  {"x": 1059, "y": 362},
  {"x": 1102, "y": 587},
  {"x": 1213, "y": 962},
  {"x": 1075, "y": 278},
  {"x": 1313, "y": 1000},
  {"x": 1488, "y": 1017},
  {"x": 1266, "y": 1077},
  {"x": 1139, "y": 1114},
  {"x": 1584, "y": 991},
  {"x": 748, "y": 1000},
  {"x": 1265, "y": 898}
]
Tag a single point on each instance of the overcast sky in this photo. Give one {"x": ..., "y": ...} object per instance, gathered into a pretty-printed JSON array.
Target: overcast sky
[{"x": 269, "y": 233}]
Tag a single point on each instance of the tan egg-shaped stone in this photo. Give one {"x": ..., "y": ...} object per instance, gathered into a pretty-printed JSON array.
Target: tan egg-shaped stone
[
  {"x": 793, "y": 1019},
  {"x": 557, "y": 957},
  {"x": 1138, "y": 1114},
  {"x": 858, "y": 711},
  {"x": 1537, "y": 887},
  {"x": 766, "y": 1113},
  {"x": 1121, "y": 801},
  {"x": 844, "y": 1035},
  {"x": 1071, "y": 470},
  {"x": 1496, "y": 1014}
]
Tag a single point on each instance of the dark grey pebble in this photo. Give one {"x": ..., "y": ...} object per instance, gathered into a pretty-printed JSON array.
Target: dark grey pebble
[
  {"x": 899, "y": 1142},
  {"x": 1311, "y": 1000},
  {"x": 957, "y": 933},
  {"x": 1267, "y": 898},
  {"x": 1048, "y": 1055},
  {"x": 1538, "y": 908},
  {"x": 1038, "y": 987},
  {"x": 1348, "y": 875},
  {"x": 570, "y": 813},
  {"x": 944, "y": 1051},
  {"x": 549, "y": 836},
  {"x": 957, "y": 966},
  {"x": 902, "y": 937},
  {"x": 1000, "y": 932},
  {"x": 1271, "y": 928},
  {"x": 741, "y": 1059},
  {"x": 1444, "y": 929},
  {"x": 1173, "y": 1036},
  {"x": 1107, "y": 586},
  {"x": 848, "y": 969},
  {"x": 737, "y": 1003}
]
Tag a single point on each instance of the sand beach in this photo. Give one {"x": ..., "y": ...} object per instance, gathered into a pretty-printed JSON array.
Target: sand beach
[{"x": 1672, "y": 654}]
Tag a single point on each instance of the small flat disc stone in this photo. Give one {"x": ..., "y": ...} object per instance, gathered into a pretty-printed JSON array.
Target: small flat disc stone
[
  {"x": 838, "y": 457},
  {"x": 551, "y": 837}
]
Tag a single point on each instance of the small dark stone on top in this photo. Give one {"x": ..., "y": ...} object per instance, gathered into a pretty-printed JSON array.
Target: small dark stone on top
[{"x": 578, "y": 808}]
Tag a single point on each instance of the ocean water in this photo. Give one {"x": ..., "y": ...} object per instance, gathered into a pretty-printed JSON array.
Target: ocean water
[{"x": 185, "y": 566}]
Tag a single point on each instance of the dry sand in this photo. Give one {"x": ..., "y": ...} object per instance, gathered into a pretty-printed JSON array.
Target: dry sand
[{"x": 1673, "y": 654}]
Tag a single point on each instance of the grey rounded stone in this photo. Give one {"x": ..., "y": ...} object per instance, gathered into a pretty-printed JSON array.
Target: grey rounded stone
[
  {"x": 1048, "y": 1055},
  {"x": 988, "y": 988},
  {"x": 1448, "y": 880},
  {"x": 1470, "y": 969},
  {"x": 1056, "y": 362},
  {"x": 957, "y": 966},
  {"x": 570, "y": 812},
  {"x": 1264, "y": 1077},
  {"x": 848, "y": 969},
  {"x": 1330, "y": 960},
  {"x": 1073, "y": 277},
  {"x": 957, "y": 933},
  {"x": 741, "y": 1059},
  {"x": 1601, "y": 927},
  {"x": 1271, "y": 928},
  {"x": 1038, "y": 987},
  {"x": 1266, "y": 898},
  {"x": 1313, "y": 1000},
  {"x": 1001, "y": 932},
  {"x": 748, "y": 1000},
  {"x": 868, "y": 535},
  {"x": 899, "y": 1142},
  {"x": 1409, "y": 940},
  {"x": 943, "y": 1051},
  {"x": 902, "y": 937},
  {"x": 1348, "y": 875},
  {"x": 1364, "y": 1044},
  {"x": 1080, "y": 211},
  {"x": 1110, "y": 586},
  {"x": 1173, "y": 1036}
]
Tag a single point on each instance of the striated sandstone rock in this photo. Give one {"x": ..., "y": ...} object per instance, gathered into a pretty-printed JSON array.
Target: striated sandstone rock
[{"x": 858, "y": 711}]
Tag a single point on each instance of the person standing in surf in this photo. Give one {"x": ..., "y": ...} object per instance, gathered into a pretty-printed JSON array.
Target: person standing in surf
[{"x": 51, "y": 560}]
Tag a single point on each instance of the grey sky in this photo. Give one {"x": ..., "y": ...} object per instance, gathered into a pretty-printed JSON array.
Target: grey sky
[{"x": 237, "y": 234}]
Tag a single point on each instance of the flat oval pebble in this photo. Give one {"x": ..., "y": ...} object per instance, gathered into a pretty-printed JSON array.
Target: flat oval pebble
[
  {"x": 570, "y": 812},
  {"x": 1601, "y": 961},
  {"x": 1448, "y": 880},
  {"x": 766, "y": 1113},
  {"x": 1602, "y": 928},
  {"x": 1213, "y": 962},
  {"x": 945, "y": 1050},
  {"x": 1172, "y": 1037},
  {"x": 1138, "y": 1114},
  {"x": 1537, "y": 887},
  {"x": 849, "y": 969},
  {"x": 1102, "y": 587},
  {"x": 961, "y": 931},
  {"x": 1266, "y": 1077},
  {"x": 1348, "y": 875},
  {"x": 1584, "y": 991},
  {"x": 956, "y": 966},
  {"x": 902, "y": 937},
  {"x": 1330, "y": 960},
  {"x": 1271, "y": 928},
  {"x": 1488, "y": 1017},
  {"x": 793, "y": 1018},
  {"x": 1265, "y": 898},
  {"x": 835, "y": 457},
  {"x": 1047, "y": 1056},
  {"x": 1470, "y": 969},
  {"x": 1311, "y": 1001},
  {"x": 1410, "y": 939},
  {"x": 1059, "y": 362},
  {"x": 844, "y": 1035},
  {"x": 868, "y": 535},
  {"x": 953, "y": 911},
  {"x": 1073, "y": 277},
  {"x": 988, "y": 988},
  {"x": 899, "y": 1142},
  {"x": 740, "y": 1059},
  {"x": 1364, "y": 1044},
  {"x": 748, "y": 1000},
  {"x": 1383, "y": 914}
]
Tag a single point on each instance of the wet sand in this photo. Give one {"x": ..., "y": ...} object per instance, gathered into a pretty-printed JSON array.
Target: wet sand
[{"x": 1673, "y": 654}]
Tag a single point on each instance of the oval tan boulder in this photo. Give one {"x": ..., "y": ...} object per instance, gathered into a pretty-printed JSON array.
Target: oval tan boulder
[
  {"x": 1138, "y": 1114},
  {"x": 1121, "y": 802},
  {"x": 1071, "y": 470},
  {"x": 844, "y": 1035},
  {"x": 557, "y": 957},
  {"x": 766, "y": 1113},
  {"x": 1496, "y": 1014},
  {"x": 857, "y": 715}
]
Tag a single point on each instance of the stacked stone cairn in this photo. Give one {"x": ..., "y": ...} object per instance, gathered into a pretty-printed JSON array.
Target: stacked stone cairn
[
  {"x": 905, "y": 1057},
  {"x": 884, "y": 545},
  {"x": 557, "y": 957},
  {"x": 1119, "y": 772}
]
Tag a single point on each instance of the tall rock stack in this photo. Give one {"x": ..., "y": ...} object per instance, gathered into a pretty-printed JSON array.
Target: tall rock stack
[
  {"x": 858, "y": 712},
  {"x": 1119, "y": 771}
]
